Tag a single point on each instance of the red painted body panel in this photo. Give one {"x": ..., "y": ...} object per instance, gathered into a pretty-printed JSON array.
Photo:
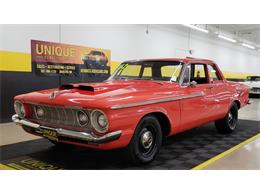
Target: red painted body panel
[{"x": 182, "y": 114}]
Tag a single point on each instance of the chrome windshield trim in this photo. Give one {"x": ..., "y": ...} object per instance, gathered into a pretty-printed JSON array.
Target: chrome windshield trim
[
  {"x": 193, "y": 95},
  {"x": 125, "y": 63}
]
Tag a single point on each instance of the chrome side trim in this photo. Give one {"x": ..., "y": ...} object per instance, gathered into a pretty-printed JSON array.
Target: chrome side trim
[
  {"x": 193, "y": 95},
  {"x": 65, "y": 133}
]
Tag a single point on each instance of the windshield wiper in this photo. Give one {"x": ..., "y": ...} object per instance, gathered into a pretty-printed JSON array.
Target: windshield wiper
[
  {"x": 123, "y": 78},
  {"x": 142, "y": 79}
]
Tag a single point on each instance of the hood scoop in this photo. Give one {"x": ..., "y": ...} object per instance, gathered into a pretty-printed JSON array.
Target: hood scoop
[{"x": 80, "y": 87}]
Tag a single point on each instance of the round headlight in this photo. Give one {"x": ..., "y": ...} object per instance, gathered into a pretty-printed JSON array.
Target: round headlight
[
  {"x": 19, "y": 109},
  {"x": 102, "y": 121},
  {"x": 83, "y": 118},
  {"x": 99, "y": 121},
  {"x": 39, "y": 111}
]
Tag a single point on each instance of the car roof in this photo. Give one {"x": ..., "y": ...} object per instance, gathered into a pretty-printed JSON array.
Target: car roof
[{"x": 184, "y": 60}]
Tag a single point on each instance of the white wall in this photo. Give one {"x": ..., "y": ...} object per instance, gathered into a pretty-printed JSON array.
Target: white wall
[
  {"x": 18, "y": 37},
  {"x": 131, "y": 42}
]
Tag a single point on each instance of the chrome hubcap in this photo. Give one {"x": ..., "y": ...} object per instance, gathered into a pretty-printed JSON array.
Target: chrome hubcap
[
  {"x": 147, "y": 139},
  {"x": 230, "y": 117}
]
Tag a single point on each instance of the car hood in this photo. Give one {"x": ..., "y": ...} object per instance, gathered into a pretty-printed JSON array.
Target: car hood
[{"x": 105, "y": 94}]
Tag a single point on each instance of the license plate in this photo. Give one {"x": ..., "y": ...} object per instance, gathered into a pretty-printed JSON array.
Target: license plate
[{"x": 50, "y": 134}]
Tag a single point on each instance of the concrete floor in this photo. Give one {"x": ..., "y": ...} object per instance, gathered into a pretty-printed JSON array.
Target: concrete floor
[
  {"x": 251, "y": 111},
  {"x": 11, "y": 133},
  {"x": 246, "y": 157}
]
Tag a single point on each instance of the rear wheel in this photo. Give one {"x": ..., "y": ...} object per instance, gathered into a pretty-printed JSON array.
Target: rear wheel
[
  {"x": 146, "y": 141},
  {"x": 229, "y": 123}
]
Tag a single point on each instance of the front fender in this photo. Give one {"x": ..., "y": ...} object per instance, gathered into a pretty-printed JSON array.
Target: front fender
[{"x": 128, "y": 118}]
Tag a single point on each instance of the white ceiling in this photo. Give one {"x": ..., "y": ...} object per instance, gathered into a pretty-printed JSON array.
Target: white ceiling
[{"x": 245, "y": 32}]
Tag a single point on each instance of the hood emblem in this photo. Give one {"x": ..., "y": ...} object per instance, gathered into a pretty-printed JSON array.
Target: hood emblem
[{"x": 53, "y": 94}]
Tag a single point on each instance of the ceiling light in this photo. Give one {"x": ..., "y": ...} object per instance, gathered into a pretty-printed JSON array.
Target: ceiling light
[
  {"x": 248, "y": 46},
  {"x": 196, "y": 28},
  {"x": 227, "y": 38}
]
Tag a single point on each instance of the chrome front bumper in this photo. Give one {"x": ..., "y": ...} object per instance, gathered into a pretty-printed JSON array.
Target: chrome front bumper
[
  {"x": 254, "y": 92},
  {"x": 69, "y": 134}
]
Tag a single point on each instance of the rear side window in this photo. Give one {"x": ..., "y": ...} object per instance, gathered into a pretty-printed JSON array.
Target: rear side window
[{"x": 213, "y": 73}]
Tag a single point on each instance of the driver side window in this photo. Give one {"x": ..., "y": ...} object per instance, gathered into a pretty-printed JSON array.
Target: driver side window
[
  {"x": 199, "y": 73},
  {"x": 195, "y": 72}
]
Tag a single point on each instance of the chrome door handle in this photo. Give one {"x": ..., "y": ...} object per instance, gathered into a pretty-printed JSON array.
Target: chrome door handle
[{"x": 210, "y": 87}]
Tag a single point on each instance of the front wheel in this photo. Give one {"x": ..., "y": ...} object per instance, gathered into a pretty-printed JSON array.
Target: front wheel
[
  {"x": 146, "y": 141},
  {"x": 229, "y": 123}
]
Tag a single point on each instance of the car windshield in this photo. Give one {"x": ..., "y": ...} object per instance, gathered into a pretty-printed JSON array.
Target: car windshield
[
  {"x": 253, "y": 78},
  {"x": 148, "y": 70},
  {"x": 96, "y": 53}
]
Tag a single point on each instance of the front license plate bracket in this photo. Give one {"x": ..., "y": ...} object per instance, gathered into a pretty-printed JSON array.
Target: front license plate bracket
[{"x": 50, "y": 134}]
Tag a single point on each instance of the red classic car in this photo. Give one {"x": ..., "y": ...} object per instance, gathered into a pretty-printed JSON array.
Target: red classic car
[
  {"x": 95, "y": 58},
  {"x": 142, "y": 102}
]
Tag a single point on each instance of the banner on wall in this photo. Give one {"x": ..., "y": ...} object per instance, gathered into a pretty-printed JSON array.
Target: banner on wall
[{"x": 58, "y": 59}]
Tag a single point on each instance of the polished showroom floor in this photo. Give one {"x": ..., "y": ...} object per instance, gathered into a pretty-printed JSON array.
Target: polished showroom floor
[
  {"x": 244, "y": 156},
  {"x": 248, "y": 155}
]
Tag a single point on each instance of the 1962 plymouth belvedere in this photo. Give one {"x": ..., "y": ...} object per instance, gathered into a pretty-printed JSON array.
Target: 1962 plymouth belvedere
[{"x": 142, "y": 102}]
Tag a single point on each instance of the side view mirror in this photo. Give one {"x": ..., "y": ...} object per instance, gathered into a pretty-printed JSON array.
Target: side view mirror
[{"x": 193, "y": 84}]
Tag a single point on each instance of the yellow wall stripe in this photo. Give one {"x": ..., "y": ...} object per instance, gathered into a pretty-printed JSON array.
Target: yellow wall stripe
[
  {"x": 212, "y": 160},
  {"x": 236, "y": 75},
  {"x": 15, "y": 61},
  {"x": 21, "y": 62}
]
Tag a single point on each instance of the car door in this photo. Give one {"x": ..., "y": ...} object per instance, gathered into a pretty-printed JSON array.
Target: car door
[
  {"x": 222, "y": 95},
  {"x": 197, "y": 107}
]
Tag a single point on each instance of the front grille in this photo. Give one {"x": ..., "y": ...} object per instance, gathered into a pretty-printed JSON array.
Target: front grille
[
  {"x": 59, "y": 116},
  {"x": 255, "y": 89}
]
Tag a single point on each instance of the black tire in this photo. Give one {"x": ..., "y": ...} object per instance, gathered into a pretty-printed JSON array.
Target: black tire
[
  {"x": 229, "y": 123},
  {"x": 146, "y": 141}
]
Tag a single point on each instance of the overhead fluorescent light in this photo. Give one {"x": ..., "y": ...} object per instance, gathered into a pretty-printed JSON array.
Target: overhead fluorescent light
[
  {"x": 258, "y": 49},
  {"x": 248, "y": 46},
  {"x": 196, "y": 28},
  {"x": 227, "y": 38}
]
